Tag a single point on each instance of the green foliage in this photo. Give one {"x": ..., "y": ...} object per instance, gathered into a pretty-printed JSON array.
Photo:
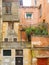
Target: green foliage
[
  {"x": 33, "y": 28},
  {"x": 36, "y": 31},
  {"x": 44, "y": 32},
  {"x": 39, "y": 30},
  {"x": 33, "y": 54},
  {"x": 28, "y": 31}
]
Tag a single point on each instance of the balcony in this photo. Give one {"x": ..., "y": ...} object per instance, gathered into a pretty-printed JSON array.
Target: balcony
[
  {"x": 10, "y": 17},
  {"x": 15, "y": 45}
]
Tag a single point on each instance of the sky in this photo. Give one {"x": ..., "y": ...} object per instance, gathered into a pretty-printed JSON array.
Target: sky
[{"x": 26, "y": 2}]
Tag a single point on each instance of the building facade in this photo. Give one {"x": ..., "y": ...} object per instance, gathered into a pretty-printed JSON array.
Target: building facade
[{"x": 15, "y": 48}]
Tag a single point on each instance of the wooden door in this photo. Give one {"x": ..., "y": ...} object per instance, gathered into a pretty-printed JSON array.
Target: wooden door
[
  {"x": 19, "y": 61},
  {"x": 42, "y": 61}
]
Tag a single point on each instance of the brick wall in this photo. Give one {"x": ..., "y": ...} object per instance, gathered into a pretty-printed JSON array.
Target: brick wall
[
  {"x": 40, "y": 41},
  {"x": 33, "y": 20}
]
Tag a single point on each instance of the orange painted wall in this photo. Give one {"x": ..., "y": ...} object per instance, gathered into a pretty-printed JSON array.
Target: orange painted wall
[
  {"x": 23, "y": 36},
  {"x": 45, "y": 10}
]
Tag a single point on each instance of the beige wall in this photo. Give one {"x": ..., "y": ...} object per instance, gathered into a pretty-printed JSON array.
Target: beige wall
[
  {"x": 0, "y": 20},
  {"x": 14, "y": 8},
  {"x": 27, "y": 57},
  {"x": 4, "y": 29},
  {"x": 16, "y": 28}
]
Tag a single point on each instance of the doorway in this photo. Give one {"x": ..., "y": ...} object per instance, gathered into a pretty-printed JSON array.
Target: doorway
[
  {"x": 42, "y": 61},
  {"x": 19, "y": 61},
  {"x": 10, "y": 25}
]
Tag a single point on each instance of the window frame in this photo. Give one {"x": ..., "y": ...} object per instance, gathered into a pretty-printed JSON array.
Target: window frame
[
  {"x": 35, "y": 2},
  {"x": 6, "y": 39},
  {"x": 7, "y": 54},
  {"x": 29, "y": 13},
  {"x": 17, "y": 54},
  {"x": 22, "y": 4},
  {"x": 48, "y": 1},
  {"x": 15, "y": 39}
]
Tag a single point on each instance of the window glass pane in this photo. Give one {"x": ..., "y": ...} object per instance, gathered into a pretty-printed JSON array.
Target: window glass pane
[
  {"x": 35, "y": 1},
  {"x": 6, "y": 39},
  {"x": 3, "y": 0},
  {"x": 15, "y": 39},
  {"x": 6, "y": 52},
  {"x": 28, "y": 15},
  {"x": 48, "y": 1},
  {"x": 21, "y": 2},
  {"x": 19, "y": 52},
  {"x": 26, "y": 2}
]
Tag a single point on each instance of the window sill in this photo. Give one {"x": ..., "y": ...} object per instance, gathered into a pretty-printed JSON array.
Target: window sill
[
  {"x": 28, "y": 18},
  {"x": 29, "y": 6}
]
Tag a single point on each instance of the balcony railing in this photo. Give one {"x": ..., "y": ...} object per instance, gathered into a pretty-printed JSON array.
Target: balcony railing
[
  {"x": 10, "y": 17},
  {"x": 15, "y": 45}
]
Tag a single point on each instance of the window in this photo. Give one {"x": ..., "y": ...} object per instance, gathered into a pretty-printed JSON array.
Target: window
[
  {"x": 48, "y": 1},
  {"x": 26, "y": 2},
  {"x": 15, "y": 39},
  {"x": 6, "y": 39},
  {"x": 7, "y": 6},
  {"x": 35, "y": 1},
  {"x": 10, "y": 25},
  {"x": 40, "y": 10},
  {"x": 21, "y": 2},
  {"x": 19, "y": 52},
  {"x": 6, "y": 52},
  {"x": 28, "y": 15},
  {"x": 3, "y": 0}
]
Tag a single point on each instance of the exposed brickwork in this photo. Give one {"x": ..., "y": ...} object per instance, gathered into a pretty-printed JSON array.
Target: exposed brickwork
[
  {"x": 43, "y": 41},
  {"x": 33, "y": 20}
]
